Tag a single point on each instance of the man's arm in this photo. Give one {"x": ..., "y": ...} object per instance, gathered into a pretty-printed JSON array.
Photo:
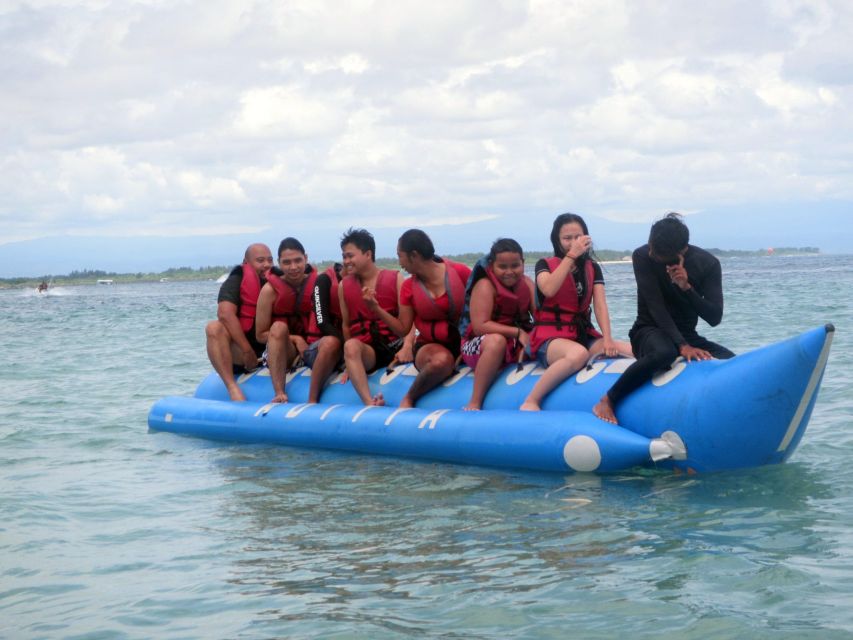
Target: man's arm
[
  {"x": 709, "y": 281},
  {"x": 226, "y": 313},
  {"x": 344, "y": 312},
  {"x": 263, "y": 313},
  {"x": 709, "y": 304},
  {"x": 649, "y": 290},
  {"x": 321, "y": 298}
]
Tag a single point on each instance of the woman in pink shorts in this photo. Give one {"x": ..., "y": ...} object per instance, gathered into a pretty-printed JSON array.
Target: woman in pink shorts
[{"x": 497, "y": 317}]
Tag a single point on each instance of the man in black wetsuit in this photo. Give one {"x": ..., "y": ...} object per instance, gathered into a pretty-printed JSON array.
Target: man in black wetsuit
[{"x": 677, "y": 283}]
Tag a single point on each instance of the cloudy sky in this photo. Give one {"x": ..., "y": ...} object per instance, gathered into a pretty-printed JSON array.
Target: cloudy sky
[{"x": 220, "y": 117}]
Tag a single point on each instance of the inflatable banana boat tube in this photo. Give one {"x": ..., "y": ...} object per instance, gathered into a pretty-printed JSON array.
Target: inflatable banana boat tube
[{"x": 695, "y": 417}]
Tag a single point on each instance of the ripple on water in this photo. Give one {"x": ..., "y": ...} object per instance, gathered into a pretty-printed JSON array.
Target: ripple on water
[{"x": 110, "y": 531}]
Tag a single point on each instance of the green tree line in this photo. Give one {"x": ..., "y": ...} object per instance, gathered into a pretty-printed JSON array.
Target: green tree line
[{"x": 91, "y": 276}]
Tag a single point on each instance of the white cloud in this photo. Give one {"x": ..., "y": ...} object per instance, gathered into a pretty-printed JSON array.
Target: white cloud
[
  {"x": 385, "y": 222},
  {"x": 349, "y": 64},
  {"x": 206, "y": 191},
  {"x": 283, "y": 111},
  {"x": 154, "y": 116}
]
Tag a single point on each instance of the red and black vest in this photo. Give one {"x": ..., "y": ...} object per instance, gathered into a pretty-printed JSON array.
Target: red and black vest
[
  {"x": 334, "y": 300},
  {"x": 564, "y": 315},
  {"x": 363, "y": 324},
  {"x": 434, "y": 324},
  {"x": 294, "y": 305},
  {"x": 512, "y": 306},
  {"x": 250, "y": 289},
  {"x": 312, "y": 329}
]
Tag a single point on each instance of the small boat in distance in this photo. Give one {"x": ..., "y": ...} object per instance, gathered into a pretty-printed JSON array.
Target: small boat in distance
[{"x": 106, "y": 281}]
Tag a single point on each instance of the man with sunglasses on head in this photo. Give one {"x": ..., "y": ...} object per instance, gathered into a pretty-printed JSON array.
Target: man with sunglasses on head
[{"x": 677, "y": 283}]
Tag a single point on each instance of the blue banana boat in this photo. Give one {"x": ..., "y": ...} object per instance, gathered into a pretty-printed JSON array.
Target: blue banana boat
[{"x": 695, "y": 417}]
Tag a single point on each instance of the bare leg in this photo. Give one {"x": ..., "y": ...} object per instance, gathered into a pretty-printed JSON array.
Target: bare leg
[
  {"x": 280, "y": 352},
  {"x": 219, "y": 353},
  {"x": 565, "y": 357},
  {"x": 492, "y": 350},
  {"x": 435, "y": 364},
  {"x": 359, "y": 357},
  {"x": 328, "y": 353},
  {"x": 604, "y": 410},
  {"x": 624, "y": 348}
]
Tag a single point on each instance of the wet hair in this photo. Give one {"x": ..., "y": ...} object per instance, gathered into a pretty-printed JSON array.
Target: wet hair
[
  {"x": 290, "y": 243},
  {"x": 559, "y": 221},
  {"x": 361, "y": 238},
  {"x": 504, "y": 245},
  {"x": 669, "y": 235},
  {"x": 417, "y": 240}
]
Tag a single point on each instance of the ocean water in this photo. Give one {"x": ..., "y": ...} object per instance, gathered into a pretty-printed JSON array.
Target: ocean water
[{"x": 109, "y": 531}]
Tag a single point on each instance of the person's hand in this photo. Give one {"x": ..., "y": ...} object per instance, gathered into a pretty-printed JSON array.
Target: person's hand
[
  {"x": 693, "y": 353},
  {"x": 406, "y": 353},
  {"x": 249, "y": 359},
  {"x": 578, "y": 247},
  {"x": 678, "y": 274},
  {"x": 369, "y": 297},
  {"x": 524, "y": 338},
  {"x": 610, "y": 348}
]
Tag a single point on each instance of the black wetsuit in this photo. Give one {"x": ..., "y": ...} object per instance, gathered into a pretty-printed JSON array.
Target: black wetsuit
[{"x": 667, "y": 316}]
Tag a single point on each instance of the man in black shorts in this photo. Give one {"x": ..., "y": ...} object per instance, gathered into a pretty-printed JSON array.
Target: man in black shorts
[
  {"x": 677, "y": 283},
  {"x": 231, "y": 343},
  {"x": 369, "y": 299}
]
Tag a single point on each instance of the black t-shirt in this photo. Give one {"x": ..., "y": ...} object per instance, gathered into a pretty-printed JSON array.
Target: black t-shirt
[
  {"x": 661, "y": 303},
  {"x": 579, "y": 276},
  {"x": 230, "y": 289}
]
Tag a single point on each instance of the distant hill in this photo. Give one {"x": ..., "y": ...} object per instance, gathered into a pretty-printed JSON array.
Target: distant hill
[{"x": 745, "y": 228}]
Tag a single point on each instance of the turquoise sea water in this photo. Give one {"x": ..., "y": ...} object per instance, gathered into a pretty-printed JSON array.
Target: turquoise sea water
[{"x": 109, "y": 531}]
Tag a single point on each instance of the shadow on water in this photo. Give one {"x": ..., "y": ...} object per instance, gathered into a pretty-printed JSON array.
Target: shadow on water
[{"x": 332, "y": 537}]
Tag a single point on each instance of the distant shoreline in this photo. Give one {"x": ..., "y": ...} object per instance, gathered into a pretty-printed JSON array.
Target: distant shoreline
[{"x": 187, "y": 274}]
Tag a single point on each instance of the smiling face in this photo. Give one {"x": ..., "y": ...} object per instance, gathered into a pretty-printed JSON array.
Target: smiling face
[
  {"x": 260, "y": 258},
  {"x": 569, "y": 232},
  {"x": 354, "y": 259},
  {"x": 292, "y": 264},
  {"x": 508, "y": 268}
]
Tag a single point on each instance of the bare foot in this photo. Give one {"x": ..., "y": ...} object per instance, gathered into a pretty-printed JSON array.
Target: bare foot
[
  {"x": 280, "y": 397},
  {"x": 530, "y": 406},
  {"x": 378, "y": 400},
  {"x": 472, "y": 406},
  {"x": 236, "y": 393},
  {"x": 604, "y": 410}
]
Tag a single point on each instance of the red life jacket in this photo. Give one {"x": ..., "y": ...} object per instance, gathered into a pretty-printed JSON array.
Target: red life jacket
[
  {"x": 294, "y": 305},
  {"x": 511, "y": 307},
  {"x": 250, "y": 289},
  {"x": 363, "y": 324},
  {"x": 563, "y": 315},
  {"x": 312, "y": 329},
  {"x": 433, "y": 324}
]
